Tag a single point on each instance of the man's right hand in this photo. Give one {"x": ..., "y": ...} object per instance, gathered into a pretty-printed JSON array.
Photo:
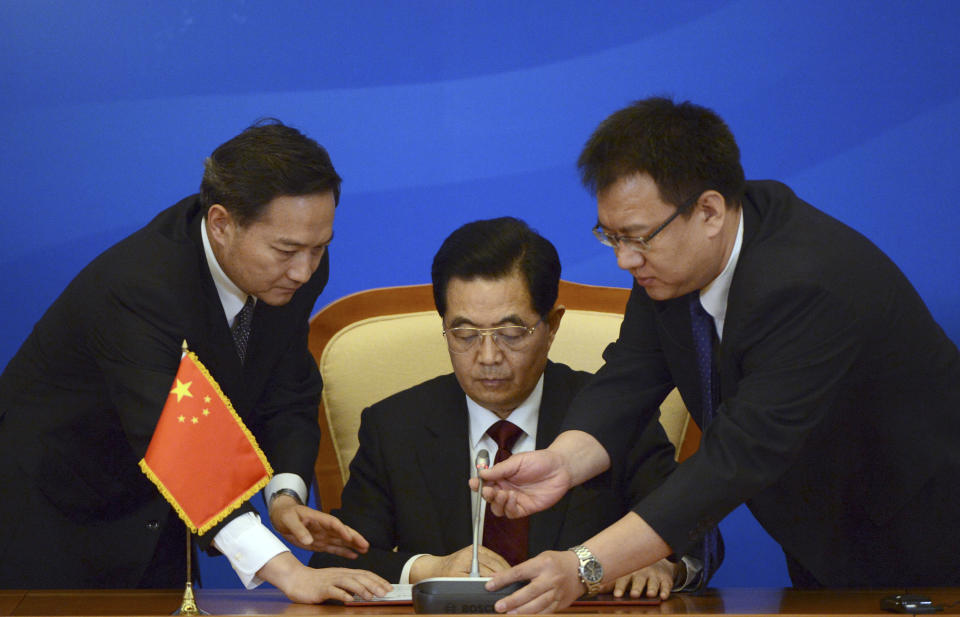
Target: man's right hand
[
  {"x": 314, "y": 585},
  {"x": 457, "y": 564},
  {"x": 525, "y": 483}
]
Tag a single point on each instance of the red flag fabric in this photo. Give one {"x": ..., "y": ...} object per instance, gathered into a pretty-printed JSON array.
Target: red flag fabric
[{"x": 201, "y": 456}]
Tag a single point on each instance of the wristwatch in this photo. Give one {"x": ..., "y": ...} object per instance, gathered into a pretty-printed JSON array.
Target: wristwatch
[
  {"x": 591, "y": 572},
  {"x": 289, "y": 492}
]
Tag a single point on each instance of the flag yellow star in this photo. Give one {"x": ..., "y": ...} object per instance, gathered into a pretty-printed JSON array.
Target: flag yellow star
[
  {"x": 181, "y": 419},
  {"x": 206, "y": 399},
  {"x": 194, "y": 420},
  {"x": 182, "y": 389},
  {"x": 206, "y": 412}
]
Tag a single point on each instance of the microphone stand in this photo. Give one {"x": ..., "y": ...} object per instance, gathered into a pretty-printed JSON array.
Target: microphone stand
[
  {"x": 482, "y": 462},
  {"x": 458, "y": 594}
]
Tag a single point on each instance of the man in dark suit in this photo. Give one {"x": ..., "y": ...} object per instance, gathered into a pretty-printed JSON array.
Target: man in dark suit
[
  {"x": 495, "y": 286},
  {"x": 836, "y": 395},
  {"x": 235, "y": 271}
]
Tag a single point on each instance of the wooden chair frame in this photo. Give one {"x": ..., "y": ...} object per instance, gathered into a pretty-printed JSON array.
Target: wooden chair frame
[{"x": 416, "y": 298}]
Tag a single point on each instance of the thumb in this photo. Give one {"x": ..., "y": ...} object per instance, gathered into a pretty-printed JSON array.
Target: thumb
[{"x": 299, "y": 530}]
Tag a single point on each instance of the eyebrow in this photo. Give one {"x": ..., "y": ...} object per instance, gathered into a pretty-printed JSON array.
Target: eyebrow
[
  {"x": 629, "y": 230},
  {"x": 294, "y": 243},
  {"x": 509, "y": 320}
]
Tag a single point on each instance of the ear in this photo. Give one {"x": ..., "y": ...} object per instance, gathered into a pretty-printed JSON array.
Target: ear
[
  {"x": 220, "y": 225},
  {"x": 553, "y": 320},
  {"x": 711, "y": 209}
]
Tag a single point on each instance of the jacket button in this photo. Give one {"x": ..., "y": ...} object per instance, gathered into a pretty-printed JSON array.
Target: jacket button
[{"x": 153, "y": 525}]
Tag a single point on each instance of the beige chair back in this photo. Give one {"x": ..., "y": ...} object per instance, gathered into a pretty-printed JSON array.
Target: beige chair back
[{"x": 375, "y": 343}]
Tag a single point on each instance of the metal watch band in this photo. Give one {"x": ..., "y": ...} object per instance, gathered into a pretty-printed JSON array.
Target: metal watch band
[
  {"x": 588, "y": 563},
  {"x": 286, "y": 491}
]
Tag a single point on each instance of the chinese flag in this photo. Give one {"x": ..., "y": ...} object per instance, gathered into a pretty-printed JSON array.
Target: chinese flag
[{"x": 202, "y": 457}]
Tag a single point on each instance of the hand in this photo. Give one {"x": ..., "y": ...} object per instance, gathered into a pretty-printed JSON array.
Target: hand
[
  {"x": 313, "y": 585},
  {"x": 554, "y": 583},
  {"x": 657, "y": 579},
  {"x": 457, "y": 564},
  {"x": 313, "y": 530},
  {"x": 525, "y": 483}
]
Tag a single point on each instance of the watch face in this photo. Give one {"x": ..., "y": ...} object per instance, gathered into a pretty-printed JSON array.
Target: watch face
[{"x": 592, "y": 571}]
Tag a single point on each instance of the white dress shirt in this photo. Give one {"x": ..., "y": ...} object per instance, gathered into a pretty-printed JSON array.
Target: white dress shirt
[
  {"x": 245, "y": 541},
  {"x": 480, "y": 419}
]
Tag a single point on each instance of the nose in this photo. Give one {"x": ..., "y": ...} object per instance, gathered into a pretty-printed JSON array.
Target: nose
[
  {"x": 302, "y": 267},
  {"x": 489, "y": 352},
  {"x": 628, "y": 259}
]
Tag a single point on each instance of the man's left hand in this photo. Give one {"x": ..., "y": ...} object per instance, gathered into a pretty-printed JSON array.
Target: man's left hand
[
  {"x": 314, "y": 530},
  {"x": 656, "y": 580}
]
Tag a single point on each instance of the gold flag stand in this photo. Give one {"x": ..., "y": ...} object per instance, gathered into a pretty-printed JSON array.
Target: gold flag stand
[{"x": 189, "y": 606}]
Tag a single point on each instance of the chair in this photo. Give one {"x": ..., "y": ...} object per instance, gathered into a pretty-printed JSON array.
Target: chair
[{"x": 374, "y": 343}]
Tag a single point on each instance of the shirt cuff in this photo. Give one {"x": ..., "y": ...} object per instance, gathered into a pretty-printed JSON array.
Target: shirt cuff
[
  {"x": 289, "y": 481},
  {"x": 405, "y": 573},
  {"x": 248, "y": 546}
]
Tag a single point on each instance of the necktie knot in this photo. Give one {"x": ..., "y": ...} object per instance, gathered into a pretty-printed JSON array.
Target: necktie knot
[{"x": 505, "y": 433}]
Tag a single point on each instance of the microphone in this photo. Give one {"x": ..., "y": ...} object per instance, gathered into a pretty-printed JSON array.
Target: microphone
[
  {"x": 450, "y": 594},
  {"x": 482, "y": 462}
]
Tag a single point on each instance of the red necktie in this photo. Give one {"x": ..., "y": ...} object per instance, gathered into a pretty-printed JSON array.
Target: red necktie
[{"x": 505, "y": 536}]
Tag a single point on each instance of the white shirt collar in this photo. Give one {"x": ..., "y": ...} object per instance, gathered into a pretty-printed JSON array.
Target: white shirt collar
[
  {"x": 525, "y": 416},
  {"x": 714, "y": 296},
  {"x": 231, "y": 297}
]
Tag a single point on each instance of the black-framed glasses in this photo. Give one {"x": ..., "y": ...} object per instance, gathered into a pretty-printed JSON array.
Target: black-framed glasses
[
  {"x": 638, "y": 244},
  {"x": 513, "y": 337}
]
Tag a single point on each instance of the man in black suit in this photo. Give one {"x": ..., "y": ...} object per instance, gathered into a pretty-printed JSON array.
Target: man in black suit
[
  {"x": 836, "y": 395},
  {"x": 80, "y": 400},
  {"x": 495, "y": 286}
]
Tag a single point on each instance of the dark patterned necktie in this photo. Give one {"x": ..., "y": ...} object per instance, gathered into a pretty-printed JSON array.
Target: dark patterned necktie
[
  {"x": 241, "y": 328},
  {"x": 704, "y": 341},
  {"x": 506, "y": 536}
]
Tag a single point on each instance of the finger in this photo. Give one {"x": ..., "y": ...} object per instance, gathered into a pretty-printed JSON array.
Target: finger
[
  {"x": 496, "y": 498},
  {"x": 358, "y": 583},
  {"x": 322, "y": 521},
  {"x": 622, "y": 584},
  {"x": 334, "y": 549},
  {"x": 296, "y": 531},
  {"x": 527, "y": 600}
]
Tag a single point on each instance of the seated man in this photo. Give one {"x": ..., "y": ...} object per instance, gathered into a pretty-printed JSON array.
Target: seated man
[{"x": 495, "y": 285}]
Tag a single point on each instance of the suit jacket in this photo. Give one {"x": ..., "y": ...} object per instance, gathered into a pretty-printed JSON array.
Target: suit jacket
[
  {"x": 80, "y": 400},
  {"x": 408, "y": 481},
  {"x": 840, "y": 413}
]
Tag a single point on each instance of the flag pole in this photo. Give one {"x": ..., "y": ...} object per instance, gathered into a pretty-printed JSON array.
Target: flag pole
[{"x": 189, "y": 606}]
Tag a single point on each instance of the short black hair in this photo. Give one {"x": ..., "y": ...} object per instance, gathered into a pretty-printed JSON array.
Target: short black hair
[
  {"x": 495, "y": 248},
  {"x": 687, "y": 149},
  {"x": 265, "y": 161}
]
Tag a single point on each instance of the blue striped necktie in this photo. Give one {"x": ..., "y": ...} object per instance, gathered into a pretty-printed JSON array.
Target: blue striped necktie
[
  {"x": 704, "y": 340},
  {"x": 241, "y": 328}
]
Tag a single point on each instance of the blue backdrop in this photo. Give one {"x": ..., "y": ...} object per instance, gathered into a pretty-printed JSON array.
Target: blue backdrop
[{"x": 440, "y": 112}]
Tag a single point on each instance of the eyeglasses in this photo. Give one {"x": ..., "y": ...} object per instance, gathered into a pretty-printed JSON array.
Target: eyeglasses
[
  {"x": 638, "y": 243},
  {"x": 513, "y": 338}
]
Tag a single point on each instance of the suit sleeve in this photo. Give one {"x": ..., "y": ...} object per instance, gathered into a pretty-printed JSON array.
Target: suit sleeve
[
  {"x": 798, "y": 344},
  {"x": 629, "y": 387},
  {"x": 285, "y": 420},
  {"x": 369, "y": 506}
]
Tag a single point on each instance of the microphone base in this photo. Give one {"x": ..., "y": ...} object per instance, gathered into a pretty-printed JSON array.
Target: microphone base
[{"x": 450, "y": 595}]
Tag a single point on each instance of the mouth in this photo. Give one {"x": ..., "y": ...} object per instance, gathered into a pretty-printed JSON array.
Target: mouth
[{"x": 493, "y": 382}]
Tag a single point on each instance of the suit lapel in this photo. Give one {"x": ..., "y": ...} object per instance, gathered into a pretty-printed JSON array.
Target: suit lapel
[
  {"x": 445, "y": 430},
  {"x": 545, "y": 526},
  {"x": 733, "y": 324},
  {"x": 209, "y": 336}
]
